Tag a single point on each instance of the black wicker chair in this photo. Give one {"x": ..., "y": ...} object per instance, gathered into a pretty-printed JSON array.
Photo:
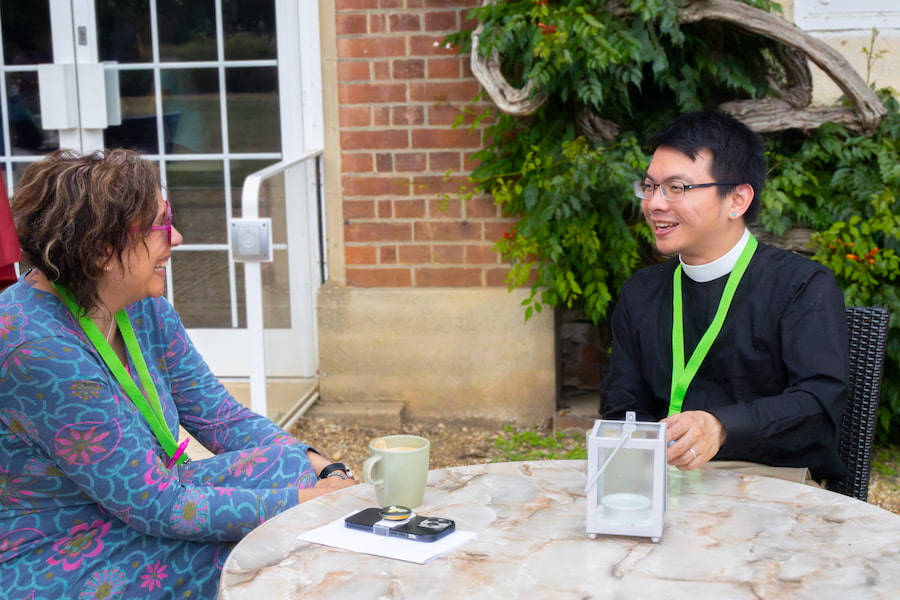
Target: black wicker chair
[{"x": 867, "y": 328}]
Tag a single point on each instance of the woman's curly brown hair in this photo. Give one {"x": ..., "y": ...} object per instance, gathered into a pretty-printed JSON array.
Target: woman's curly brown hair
[{"x": 70, "y": 210}]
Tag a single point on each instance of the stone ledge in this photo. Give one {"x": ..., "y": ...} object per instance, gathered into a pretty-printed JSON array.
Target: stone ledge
[{"x": 386, "y": 413}]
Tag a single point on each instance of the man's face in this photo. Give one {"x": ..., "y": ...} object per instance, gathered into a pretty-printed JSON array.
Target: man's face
[{"x": 698, "y": 225}]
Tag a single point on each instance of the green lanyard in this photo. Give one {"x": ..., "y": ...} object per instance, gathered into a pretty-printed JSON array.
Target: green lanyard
[
  {"x": 683, "y": 375},
  {"x": 148, "y": 404}
]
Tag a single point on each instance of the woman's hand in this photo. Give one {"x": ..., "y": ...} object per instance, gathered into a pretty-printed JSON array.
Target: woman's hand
[{"x": 323, "y": 486}]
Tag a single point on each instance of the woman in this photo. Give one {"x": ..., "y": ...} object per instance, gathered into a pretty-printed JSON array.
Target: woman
[{"x": 96, "y": 374}]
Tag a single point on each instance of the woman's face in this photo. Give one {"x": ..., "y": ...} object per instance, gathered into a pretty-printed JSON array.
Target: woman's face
[{"x": 142, "y": 271}]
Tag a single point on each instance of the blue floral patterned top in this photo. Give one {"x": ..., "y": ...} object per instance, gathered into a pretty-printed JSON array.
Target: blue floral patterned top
[{"x": 88, "y": 508}]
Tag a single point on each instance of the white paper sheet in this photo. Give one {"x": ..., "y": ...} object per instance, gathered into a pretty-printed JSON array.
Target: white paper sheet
[{"x": 337, "y": 535}]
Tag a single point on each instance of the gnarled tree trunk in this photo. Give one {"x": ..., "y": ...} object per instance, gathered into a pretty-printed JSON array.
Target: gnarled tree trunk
[{"x": 791, "y": 109}]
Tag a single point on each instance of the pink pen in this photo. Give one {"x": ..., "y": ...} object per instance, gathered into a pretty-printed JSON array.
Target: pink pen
[{"x": 178, "y": 453}]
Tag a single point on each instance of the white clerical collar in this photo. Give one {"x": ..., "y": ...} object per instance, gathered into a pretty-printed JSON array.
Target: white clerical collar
[{"x": 719, "y": 267}]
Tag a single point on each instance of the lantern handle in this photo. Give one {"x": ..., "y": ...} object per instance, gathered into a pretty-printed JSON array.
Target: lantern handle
[{"x": 626, "y": 435}]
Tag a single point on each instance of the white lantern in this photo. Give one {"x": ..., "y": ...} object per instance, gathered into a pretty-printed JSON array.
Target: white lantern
[{"x": 626, "y": 478}]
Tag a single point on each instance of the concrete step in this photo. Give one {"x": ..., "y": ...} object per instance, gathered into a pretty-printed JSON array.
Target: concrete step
[
  {"x": 580, "y": 412},
  {"x": 568, "y": 420}
]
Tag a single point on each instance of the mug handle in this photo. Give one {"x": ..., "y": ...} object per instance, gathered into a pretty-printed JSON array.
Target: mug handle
[{"x": 367, "y": 471}]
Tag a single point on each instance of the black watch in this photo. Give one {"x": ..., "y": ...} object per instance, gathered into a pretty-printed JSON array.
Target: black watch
[{"x": 337, "y": 468}]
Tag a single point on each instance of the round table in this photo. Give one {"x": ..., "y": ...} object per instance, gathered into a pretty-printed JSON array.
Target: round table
[{"x": 727, "y": 535}]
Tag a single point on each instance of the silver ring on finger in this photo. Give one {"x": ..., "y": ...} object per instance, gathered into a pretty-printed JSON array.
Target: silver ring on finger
[{"x": 694, "y": 453}]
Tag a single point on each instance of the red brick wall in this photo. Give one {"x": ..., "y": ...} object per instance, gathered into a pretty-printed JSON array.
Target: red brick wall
[{"x": 400, "y": 89}]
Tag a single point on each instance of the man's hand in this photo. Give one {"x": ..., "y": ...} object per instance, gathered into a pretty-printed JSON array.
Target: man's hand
[{"x": 695, "y": 436}]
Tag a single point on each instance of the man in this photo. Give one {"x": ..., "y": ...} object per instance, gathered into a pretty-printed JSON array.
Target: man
[{"x": 760, "y": 352}]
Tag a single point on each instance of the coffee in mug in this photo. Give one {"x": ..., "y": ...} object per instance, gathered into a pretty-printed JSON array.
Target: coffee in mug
[{"x": 397, "y": 468}]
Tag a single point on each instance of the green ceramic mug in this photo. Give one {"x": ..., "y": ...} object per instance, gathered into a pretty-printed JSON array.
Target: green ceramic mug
[{"x": 397, "y": 468}]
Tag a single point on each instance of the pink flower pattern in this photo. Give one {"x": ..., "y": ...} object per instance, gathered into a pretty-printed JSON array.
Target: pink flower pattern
[
  {"x": 12, "y": 322},
  {"x": 83, "y": 444},
  {"x": 85, "y": 390},
  {"x": 157, "y": 475},
  {"x": 154, "y": 576},
  {"x": 105, "y": 584},
  {"x": 19, "y": 424},
  {"x": 16, "y": 490},
  {"x": 191, "y": 512},
  {"x": 12, "y": 541},
  {"x": 247, "y": 462},
  {"x": 85, "y": 541}
]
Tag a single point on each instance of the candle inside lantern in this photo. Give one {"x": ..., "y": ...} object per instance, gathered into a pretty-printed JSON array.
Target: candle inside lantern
[{"x": 626, "y": 509}]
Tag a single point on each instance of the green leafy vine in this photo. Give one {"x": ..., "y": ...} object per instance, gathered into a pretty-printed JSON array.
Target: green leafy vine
[{"x": 579, "y": 233}]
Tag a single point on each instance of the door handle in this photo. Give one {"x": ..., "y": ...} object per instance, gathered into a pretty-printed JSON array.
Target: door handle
[
  {"x": 59, "y": 95},
  {"x": 113, "y": 94}
]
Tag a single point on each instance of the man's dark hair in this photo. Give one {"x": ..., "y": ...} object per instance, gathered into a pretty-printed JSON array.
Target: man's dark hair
[{"x": 737, "y": 152}]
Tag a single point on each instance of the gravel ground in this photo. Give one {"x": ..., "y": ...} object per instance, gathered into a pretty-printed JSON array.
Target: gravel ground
[
  {"x": 450, "y": 445},
  {"x": 455, "y": 445}
]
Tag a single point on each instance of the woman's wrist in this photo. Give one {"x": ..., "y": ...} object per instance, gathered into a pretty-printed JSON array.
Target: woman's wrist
[
  {"x": 324, "y": 468},
  {"x": 336, "y": 469},
  {"x": 317, "y": 461}
]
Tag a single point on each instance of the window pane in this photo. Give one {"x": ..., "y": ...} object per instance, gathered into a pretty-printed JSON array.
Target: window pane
[
  {"x": 276, "y": 292},
  {"x": 26, "y": 135},
  {"x": 191, "y": 97},
  {"x": 123, "y": 31},
  {"x": 196, "y": 189},
  {"x": 26, "y": 32},
  {"x": 240, "y": 169},
  {"x": 187, "y": 30},
  {"x": 253, "y": 117},
  {"x": 272, "y": 205},
  {"x": 18, "y": 169},
  {"x": 249, "y": 29},
  {"x": 202, "y": 294},
  {"x": 139, "y": 128}
]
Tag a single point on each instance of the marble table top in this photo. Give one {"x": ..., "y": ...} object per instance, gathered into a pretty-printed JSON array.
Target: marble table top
[{"x": 726, "y": 536}]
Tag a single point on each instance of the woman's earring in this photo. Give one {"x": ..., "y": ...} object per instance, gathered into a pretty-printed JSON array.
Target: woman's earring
[
  {"x": 734, "y": 215},
  {"x": 108, "y": 268}
]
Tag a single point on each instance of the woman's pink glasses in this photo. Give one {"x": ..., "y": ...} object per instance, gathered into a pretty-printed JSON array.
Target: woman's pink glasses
[{"x": 167, "y": 226}]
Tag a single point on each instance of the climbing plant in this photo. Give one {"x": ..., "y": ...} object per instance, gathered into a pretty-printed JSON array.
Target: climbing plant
[{"x": 611, "y": 73}]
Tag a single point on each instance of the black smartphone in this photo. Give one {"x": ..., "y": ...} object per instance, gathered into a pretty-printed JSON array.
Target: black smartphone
[{"x": 420, "y": 529}]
